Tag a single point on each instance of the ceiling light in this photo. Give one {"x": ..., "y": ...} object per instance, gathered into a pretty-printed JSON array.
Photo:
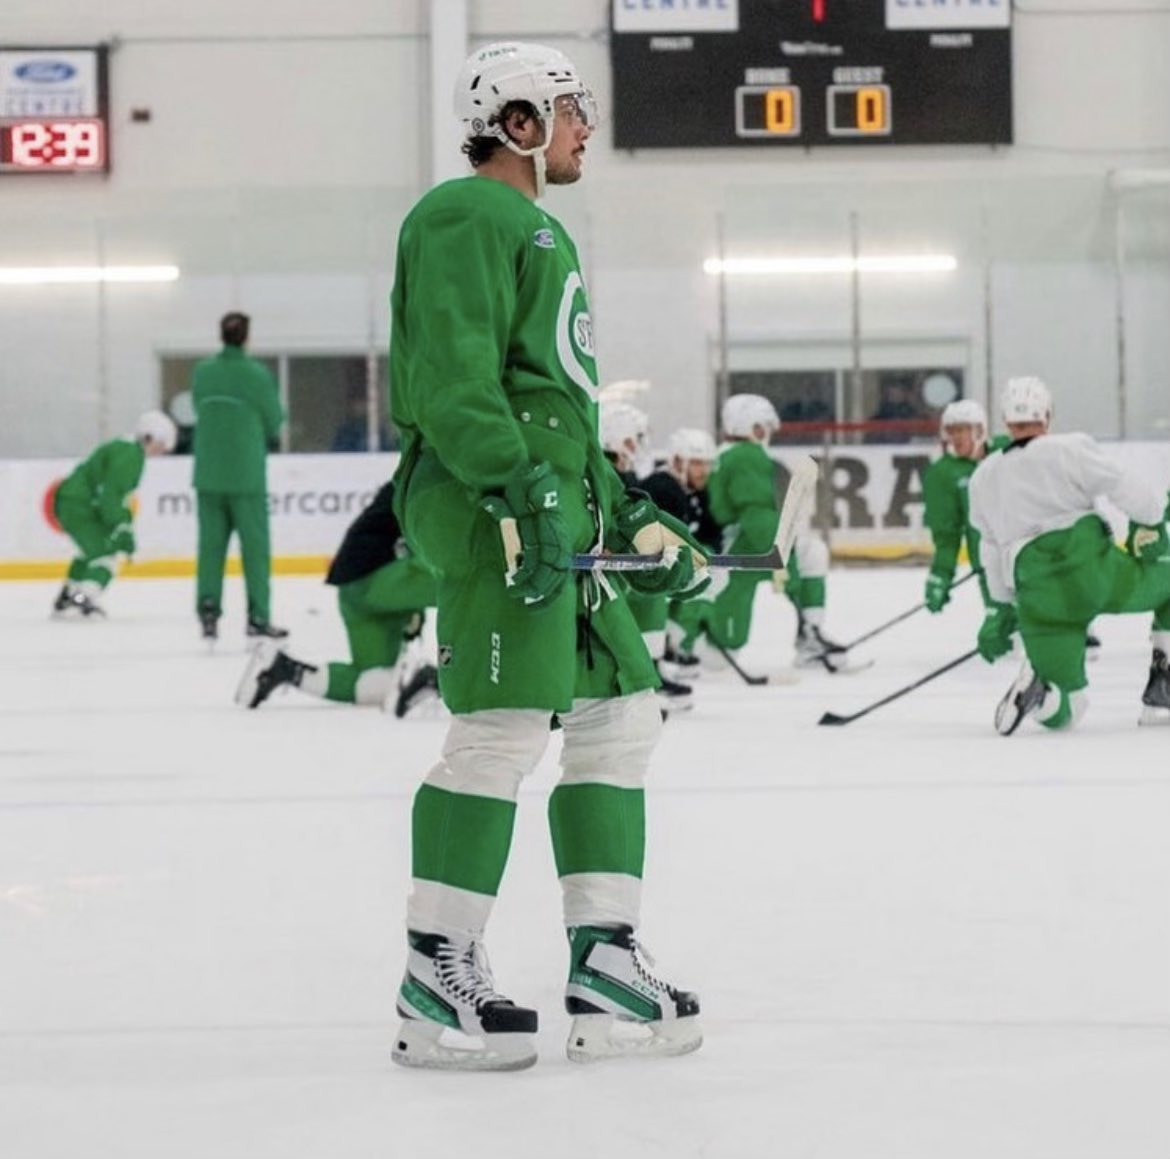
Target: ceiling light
[
  {"x": 84, "y": 275},
  {"x": 890, "y": 264}
]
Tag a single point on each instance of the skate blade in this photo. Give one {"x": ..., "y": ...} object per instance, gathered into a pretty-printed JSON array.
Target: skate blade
[
  {"x": 596, "y": 1037},
  {"x": 1152, "y": 714},
  {"x": 431, "y": 1046}
]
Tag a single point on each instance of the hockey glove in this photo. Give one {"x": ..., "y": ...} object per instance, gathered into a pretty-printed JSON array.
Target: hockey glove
[
  {"x": 123, "y": 540},
  {"x": 938, "y": 592},
  {"x": 995, "y": 633},
  {"x": 640, "y": 527},
  {"x": 537, "y": 552},
  {"x": 1146, "y": 542}
]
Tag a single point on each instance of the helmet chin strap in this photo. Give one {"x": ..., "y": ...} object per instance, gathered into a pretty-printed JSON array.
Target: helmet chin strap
[{"x": 537, "y": 153}]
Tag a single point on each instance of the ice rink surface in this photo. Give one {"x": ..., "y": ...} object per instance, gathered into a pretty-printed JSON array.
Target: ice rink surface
[{"x": 913, "y": 938}]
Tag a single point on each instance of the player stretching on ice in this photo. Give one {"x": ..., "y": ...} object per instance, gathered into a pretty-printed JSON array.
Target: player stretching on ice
[
  {"x": 382, "y": 591},
  {"x": 502, "y": 479},
  {"x": 742, "y": 494},
  {"x": 1045, "y": 547},
  {"x": 91, "y": 506}
]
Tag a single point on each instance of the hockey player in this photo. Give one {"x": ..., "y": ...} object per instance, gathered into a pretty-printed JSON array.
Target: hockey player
[
  {"x": 382, "y": 591},
  {"x": 963, "y": 429},
  {"x": 742, "y": 491},
  {"x": 622, "y": 429},
  {"x": 502, "y": 479},
  {"x": 680, "y": 488},
  {"x": 91, "y": 506},
  {"x": 1045, "y": 547}
]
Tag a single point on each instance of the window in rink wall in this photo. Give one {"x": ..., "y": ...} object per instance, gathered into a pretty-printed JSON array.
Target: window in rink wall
[
  {"x": 810, "y": 401},
  {"x": 327, "y": 398}
]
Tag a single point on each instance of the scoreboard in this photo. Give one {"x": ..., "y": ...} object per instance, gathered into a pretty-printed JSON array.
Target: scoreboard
[
  {"x": 54, "y": 110},
  {"x": 710, "y": 73}
]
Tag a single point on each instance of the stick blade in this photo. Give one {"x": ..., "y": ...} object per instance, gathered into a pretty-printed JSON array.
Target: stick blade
[{"x": 833, "y": 718}]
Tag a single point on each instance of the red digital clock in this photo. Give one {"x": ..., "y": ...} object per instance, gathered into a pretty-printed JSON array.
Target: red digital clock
[{"x": 53, "y": 145}]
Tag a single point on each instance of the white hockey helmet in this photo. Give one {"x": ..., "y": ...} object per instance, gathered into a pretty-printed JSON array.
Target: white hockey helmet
[
  {"x": 689, "y": 443},
  {"x": 157, "y": 427},
  {"x": 742, "y": 412},
  {"x": 963, "y": 412},
  {"x": 1027, "y": 400},
  {"x": 618, "y": 422},
  {"x": 512, "y": 70}
]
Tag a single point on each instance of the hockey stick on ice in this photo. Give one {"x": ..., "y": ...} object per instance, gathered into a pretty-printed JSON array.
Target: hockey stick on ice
[
  {"x": 797, "y": 499},
  {"x": 755, "y": 679},
  {"x": 898, "y": 619},
  {"x": 833, "y": 718}
]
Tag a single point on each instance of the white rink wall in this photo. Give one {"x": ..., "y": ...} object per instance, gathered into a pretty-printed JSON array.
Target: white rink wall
[{"x": 874, "y": 495}]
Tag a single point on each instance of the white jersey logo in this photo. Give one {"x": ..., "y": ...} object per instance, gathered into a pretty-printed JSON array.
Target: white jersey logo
[{"x": 575, "y": 336}]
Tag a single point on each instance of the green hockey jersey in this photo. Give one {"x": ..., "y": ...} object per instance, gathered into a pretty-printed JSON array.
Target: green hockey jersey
[{"x": 103, "y": 481}]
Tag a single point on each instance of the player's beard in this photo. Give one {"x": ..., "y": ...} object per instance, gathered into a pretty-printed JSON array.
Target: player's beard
[{"x": 564, "y": 172}]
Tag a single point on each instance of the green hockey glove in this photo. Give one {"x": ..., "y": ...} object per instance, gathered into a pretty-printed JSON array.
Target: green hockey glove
[
  {"x": 537, "y": 552},
  {"x": 938, "y": 592},
  {"x": 640, "y": 527},
  {"x": 995, "y": 633},
  {"x": 123, "y": 540},
  {"x": 1146, "y": 542}
]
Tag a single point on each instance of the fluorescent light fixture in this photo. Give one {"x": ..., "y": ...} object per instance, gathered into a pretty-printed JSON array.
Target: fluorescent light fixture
[
  {"x": 84, "y": 275},
  {"x": 890, "y": 264}
]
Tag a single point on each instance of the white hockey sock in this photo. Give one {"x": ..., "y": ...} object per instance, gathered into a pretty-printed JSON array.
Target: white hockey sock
[
  {"x": 315, "y": 681},
  {"x": 375, "y": 685}
]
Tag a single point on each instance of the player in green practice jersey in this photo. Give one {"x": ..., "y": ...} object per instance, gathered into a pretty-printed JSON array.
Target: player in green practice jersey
[
  {"x": 92, "y": 506},
  {"x": 944, "y": 491},
  {"x": 502, "y": 479},
  {"x": 382, "y": 591}
]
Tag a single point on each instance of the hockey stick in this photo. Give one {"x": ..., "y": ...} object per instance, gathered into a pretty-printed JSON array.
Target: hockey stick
[
  {"x": 801, "y": 487},
  {"x": 833, "y": 718},
  {"x": 898, "y": 619}
]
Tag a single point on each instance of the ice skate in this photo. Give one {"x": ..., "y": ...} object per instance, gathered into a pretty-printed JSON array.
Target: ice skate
[
  {"x": 620, "y": 1009},
  {"x": 417, "y": 686},
  {"x": 1156, "y": 698},
  {"x": 76, "y": 603},
  {"x": 265, "y": 630},
  {"x": 815, "y": 649},
  {"x": 208, "y": 624},
  {"x": 1023, "y": 698},
  {"x": 673, "y": 696},
  {"x": 676, "y": 664},
  {"x": 267, "y": 670},
  {"x": 452, "y": 1016}
]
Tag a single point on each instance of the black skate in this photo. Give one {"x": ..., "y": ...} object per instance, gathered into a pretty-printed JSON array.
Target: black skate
[
  {"x": 1156, "y": 698},
  {"x": 265, "y": 630},
  {"x": 63, "y": 603},
  {"x": 453, "y": 1018},
  {"x": 421, "y": 686},
  {"x": 678, "y": 663},
  {"x": 673, "y": 696},
  {"x": 267, "y": 670},
  {"x": 208, "y": 623},
  {"x": 620, "y": 1007},
  {"x": 1023, "y": 698}
]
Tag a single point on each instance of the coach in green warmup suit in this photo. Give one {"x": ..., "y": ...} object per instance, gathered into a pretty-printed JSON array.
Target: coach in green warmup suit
[{"x": 237, "y": 417}]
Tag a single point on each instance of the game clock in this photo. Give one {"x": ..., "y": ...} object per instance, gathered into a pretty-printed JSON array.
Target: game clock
[
  {"x": 708, "y": 73},
  {"x": 53, "y": 110}
]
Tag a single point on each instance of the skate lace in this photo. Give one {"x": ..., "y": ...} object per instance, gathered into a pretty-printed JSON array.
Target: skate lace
[
  {"x": 644, "y": 963},
  {"x": 464, "y": 972}
]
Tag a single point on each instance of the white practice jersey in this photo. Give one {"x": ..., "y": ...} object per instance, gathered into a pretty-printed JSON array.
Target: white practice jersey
[{"x": 1046, "y": 485}]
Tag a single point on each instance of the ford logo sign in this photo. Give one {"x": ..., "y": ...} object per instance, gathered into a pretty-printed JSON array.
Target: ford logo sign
[{"x": 45, "y": 72}]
